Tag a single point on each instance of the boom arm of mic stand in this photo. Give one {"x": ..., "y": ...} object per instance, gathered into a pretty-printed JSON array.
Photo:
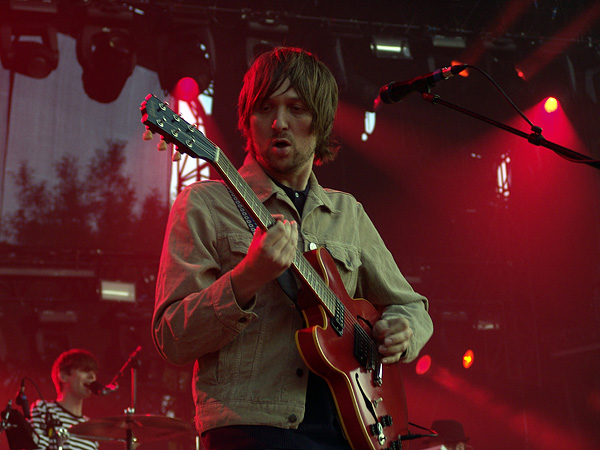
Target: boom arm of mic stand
[
  {"x": 534, "y": 138},
  {"x": 129, "y": 361}
]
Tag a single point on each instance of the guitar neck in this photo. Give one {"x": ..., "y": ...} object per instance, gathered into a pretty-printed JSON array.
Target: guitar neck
[
  {"x": 264, "y": 220},
  {"x": 238, "y": 185}
]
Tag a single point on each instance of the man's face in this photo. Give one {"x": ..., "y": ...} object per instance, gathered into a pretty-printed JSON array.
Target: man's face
[
  {"x": 74, "y": 383},
  {"x": 281, "y": 134}
]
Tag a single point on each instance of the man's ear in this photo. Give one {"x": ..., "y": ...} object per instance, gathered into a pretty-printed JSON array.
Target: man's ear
[
  {"x": 461, "y": 446},
  {"x": 62, "y": 376}
]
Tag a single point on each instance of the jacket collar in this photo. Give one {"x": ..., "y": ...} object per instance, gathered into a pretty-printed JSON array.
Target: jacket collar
[{"x": 264, "y": 187}]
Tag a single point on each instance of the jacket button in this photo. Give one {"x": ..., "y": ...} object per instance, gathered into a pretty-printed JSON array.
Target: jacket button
[
  {"x": 292, "y": 418},
  {"x": 299, "y": 372}
]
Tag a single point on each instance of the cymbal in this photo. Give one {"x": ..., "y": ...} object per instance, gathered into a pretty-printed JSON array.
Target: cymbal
[{"x": 144, "y": 428}]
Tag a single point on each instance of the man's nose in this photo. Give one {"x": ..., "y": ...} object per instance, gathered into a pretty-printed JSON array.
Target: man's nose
[{"x": 280, "y": 122}]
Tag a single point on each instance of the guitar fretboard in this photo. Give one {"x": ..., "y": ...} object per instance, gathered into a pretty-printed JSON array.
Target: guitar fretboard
[{"x": 264, "y": 219}]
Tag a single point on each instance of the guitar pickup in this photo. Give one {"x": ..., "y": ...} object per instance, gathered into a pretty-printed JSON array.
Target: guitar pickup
[
  {"x": 337, "y": 321},
  {"x": 365, "y": 349}
]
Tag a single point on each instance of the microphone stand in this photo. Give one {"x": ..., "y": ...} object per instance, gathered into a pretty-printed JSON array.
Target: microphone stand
[
  {"x": 534, "y": 138},
  {"x": 4, "y": 423},
  {"x": 130, "y": 411}
]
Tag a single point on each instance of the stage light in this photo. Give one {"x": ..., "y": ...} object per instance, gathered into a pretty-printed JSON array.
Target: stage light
[
  {"x": 186, "y": 89},
  {"x": 550, "y": 105},
  {"x": 443, "y": 41},
  {"x": 464, "y": 73},
  {"x": 107, "y": 56},
  {"x": 117, "y": 291},
  {"x": 390, "y": 47},
  {"x": 423, "y": 365},
  {"x": 187, "y": 55},
  {"x": 468, "y": 359},
  {"x": 29, "y": 50}
]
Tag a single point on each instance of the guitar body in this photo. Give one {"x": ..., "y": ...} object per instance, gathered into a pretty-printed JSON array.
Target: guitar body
[{"x": 332, "y": 357}]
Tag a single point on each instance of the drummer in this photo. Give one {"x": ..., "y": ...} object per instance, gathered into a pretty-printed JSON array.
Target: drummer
[{"x": 72, "y": 373}]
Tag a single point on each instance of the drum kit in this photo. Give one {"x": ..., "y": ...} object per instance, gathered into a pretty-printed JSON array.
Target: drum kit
[{"x": 130, "y": 428}]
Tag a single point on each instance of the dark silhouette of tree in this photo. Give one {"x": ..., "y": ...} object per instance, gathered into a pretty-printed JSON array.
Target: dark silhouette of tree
[
  {"x": 71, "y": 212},
  {"x": 112, "y": 198},
  {"x": 151, "y": 223},
  {"x": 91, "y": 212},
  {"x": 27, "y": 223}
]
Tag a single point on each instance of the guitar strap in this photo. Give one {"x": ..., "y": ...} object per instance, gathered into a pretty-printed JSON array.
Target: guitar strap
[{"x": 286, "y": 280}]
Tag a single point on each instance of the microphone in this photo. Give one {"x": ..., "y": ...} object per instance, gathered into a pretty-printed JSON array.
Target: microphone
[
  {"x": 22, "y": 400},
  {"x": 100, "y": 389},
  {"x": 396, "y": 90}
]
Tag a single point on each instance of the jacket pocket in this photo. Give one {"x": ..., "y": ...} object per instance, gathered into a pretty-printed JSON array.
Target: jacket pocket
[
  {"x": 236, "y": 246},
  {"x": 347, "y": 261}
]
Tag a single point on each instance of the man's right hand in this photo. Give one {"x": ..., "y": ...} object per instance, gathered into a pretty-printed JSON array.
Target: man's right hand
[{"x": 270, "y": 254}]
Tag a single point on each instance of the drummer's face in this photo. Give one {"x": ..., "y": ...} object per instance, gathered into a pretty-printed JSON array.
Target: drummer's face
[{"x": 75, "y": 383}]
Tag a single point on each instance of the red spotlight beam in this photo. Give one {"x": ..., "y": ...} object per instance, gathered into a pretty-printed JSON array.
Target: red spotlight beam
[
  {"x": 534, "y": 138},
  {"x": 565, "y": 38}
]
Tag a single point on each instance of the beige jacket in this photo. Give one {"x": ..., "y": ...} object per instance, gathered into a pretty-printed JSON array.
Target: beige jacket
[{"x": 247, "y": 367}]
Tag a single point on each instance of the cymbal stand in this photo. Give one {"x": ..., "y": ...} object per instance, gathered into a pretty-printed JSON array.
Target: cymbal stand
[{"x": 133, "y": 363}]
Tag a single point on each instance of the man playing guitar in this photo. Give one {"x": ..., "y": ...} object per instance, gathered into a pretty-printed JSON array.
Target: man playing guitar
[{"x": 277, "y": 367}]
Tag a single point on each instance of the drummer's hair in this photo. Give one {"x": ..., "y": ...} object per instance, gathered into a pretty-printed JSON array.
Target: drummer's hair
[{"x": 70, "y": 360}]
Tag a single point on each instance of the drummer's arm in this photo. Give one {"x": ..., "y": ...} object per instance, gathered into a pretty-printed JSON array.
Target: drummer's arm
[{"x": 39, "y": 425}]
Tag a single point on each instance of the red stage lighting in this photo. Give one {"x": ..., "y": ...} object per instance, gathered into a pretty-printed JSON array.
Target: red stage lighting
[
  {"x": 187, "y": 54},
  {"x": 423, "y": 365},
  {"x": 464, "y": 73},
  {"x": 468, "y": 359},
  {"x": 186, "y": 89},
  {"x": 550, "y": 105}
]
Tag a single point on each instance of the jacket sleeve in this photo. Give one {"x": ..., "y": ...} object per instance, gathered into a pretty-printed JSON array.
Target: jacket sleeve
[
  {"x": 382, "y": 283},
  {"x": 195, "y": 312}
]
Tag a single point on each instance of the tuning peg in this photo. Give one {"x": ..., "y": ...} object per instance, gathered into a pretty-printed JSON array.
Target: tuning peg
[
  {"x": 176, "y": 156},
  {"x": 147, "y": 136},
  {"x": 162, "y": 145}
]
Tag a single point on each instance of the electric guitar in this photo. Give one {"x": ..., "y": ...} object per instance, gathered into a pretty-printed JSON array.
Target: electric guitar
[{"x": 337, "y": 343}]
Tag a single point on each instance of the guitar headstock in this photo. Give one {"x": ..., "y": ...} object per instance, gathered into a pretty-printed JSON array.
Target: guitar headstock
[{"x": 159, "y": 118}]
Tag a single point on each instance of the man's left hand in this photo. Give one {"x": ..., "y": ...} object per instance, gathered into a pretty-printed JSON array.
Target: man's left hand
[{"x": 394, "y": 336}]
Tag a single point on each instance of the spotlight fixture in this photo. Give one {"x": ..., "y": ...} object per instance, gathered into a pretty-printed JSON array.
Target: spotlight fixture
[
  {"x": 443, "y": 41},
  {"x": 390, "y": 47},
  {"x": 187, "y": 55},
  {"x": 107, "y": 56},
  {"x": 29, "y": 47},
  {"x": 257, "y": 46}
]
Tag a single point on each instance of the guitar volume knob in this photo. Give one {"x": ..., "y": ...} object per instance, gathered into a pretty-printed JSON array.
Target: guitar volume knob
[
  {"x": 376, "y": 429},
  {"x": 386, "y": 421}
]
